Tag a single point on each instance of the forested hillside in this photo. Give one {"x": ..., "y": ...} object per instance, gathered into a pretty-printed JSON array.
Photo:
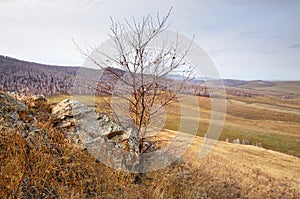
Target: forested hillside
[{"x": 27, "y": 77}]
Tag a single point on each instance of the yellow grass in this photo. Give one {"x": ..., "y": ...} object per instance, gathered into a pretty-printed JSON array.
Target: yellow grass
[
  {"x": 52, "y": 167},
  {"x": 273, "y": 121}
]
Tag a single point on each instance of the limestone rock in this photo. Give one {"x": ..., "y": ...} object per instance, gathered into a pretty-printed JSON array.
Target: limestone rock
[
  {"x": 101, "y": 135},
  {"x": 236, "y": 141},
  {"x": 83, "y": 122},
  {"x": 10, "y": 110},
  {"x": 34, "y": 101},
  {"x": 246, "y": 142}
]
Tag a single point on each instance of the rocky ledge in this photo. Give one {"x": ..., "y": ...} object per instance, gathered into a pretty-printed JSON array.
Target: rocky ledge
[{"x": 82, "y": 126}]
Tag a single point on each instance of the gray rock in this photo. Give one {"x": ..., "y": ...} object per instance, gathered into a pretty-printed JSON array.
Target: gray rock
[
  {"x": 236, "y": 141},
  {"x": 258, "y": 144},
  {"x": 246, "y": 142},
  {"x": 100, "y": 134},
  {"x": 10, "y": 110}
]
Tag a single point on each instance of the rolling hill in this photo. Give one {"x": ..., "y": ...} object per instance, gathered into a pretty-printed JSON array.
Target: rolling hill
[
  {"x": 34, "y": 78},
  {"x": 229, "y": 171}
]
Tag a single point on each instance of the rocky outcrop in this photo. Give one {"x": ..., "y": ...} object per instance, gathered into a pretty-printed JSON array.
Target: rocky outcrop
[
  {"x": 19, "y": 111},
  {"x": 97, "y": 131},
  {"x": 83, "y": 123},
  {"x": 245, "y": 142},
  {"x": 79, "y": 117},
  {"x": 24, "y": 116},
  {"x": 10, "y": 110},
  {"x": 236, "y": 141},
  {"x": 108, "y": 141}
]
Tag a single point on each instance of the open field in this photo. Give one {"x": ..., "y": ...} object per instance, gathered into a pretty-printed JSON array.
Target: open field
[
  {"x": 271, "y": 120},
  {"x": 277, "y": 127},
  {"x": 228, "y": 171},
  {"x": 274, "y": 86},
  {"x": 244, "y": 161}
]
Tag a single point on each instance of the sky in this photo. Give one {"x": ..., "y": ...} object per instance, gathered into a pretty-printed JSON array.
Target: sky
[{"x": 246, "y": 39}]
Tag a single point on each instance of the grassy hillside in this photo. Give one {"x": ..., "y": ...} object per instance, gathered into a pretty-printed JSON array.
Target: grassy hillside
[
  {"x": 246, "y": 162},
  {"x": 38, "y": 160},
  {"x": 54, "y": 168},
  {"x": 273, "y": 121},
  {"x": 292, "y": 87}
]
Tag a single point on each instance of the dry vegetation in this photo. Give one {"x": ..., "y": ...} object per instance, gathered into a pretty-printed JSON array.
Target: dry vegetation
[
  {"x": 274, "y": 121},
  {"x": 276, "y": 126},
  {"x": 54, "y": 168},
  {"x": 47, "y": 165}
]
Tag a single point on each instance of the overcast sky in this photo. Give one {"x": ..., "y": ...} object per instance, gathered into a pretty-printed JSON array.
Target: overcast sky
[{"x": 246, "y": 39}]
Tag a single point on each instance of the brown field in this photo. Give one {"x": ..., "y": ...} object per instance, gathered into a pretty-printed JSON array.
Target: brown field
[
  {"x": 274, "y": 121},
  {"x": 228, "y": 171},
  {"x": 244, "y": 161},
  {"x": 292, "y": 87},
  {"x": 235, "y": 170}
]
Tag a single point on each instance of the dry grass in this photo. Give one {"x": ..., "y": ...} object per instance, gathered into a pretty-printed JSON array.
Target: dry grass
[
  {"x": 271, "y": 120},
  {"x": 277, "y": 86},
  {"x": 248, "y": 171},
  {"x": 276, "y": 126},
  {"x": 41, "y": 163},
  {"x": 54, "y": 168}
]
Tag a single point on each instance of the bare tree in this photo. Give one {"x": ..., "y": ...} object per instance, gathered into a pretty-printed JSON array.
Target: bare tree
[{"x": 139, "y": 77}]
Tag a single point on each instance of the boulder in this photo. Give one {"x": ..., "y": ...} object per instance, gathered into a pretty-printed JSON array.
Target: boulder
[
  {"x": 73, "y": 113},
  {"x": 106, "y": 139},
  {"x": 246, "y": 142},
  {"x": 82, "y": 122},
  {"x": 34, "y": 101},
  {"x": 15, "y": 115},
  {"x": 101, "y": 135},
  {"x": 236, "y": 141},
  {"x": 258, "y": 144},
  {"x": 11, "y": 110}
]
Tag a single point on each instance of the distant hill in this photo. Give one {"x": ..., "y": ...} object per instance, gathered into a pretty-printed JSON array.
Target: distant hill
[
  {"x": 25, "y": 78},
  {"x": 28, "y": 77},
  {"x": 33, "y": 78},
  {"x": 233, "y": 82},
  {"x": 284, "y": 87}
]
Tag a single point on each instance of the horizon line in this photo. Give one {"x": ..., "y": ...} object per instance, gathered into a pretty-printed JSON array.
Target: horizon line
[{"x": 223, "y": 78}]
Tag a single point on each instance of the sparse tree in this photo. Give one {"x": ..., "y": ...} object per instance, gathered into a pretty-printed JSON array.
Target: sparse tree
[{"x": 139, "y": 77}]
